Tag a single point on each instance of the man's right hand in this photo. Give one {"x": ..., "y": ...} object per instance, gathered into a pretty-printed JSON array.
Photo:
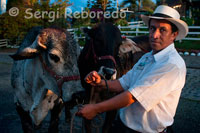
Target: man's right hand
[{"x": 93, "y": 78}]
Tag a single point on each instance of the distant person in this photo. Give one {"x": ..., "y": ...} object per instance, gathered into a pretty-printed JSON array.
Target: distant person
[{"x": 150, "y": 91}]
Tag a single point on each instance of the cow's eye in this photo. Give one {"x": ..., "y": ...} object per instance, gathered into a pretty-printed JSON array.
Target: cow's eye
[{"x": 54, "y": 57}]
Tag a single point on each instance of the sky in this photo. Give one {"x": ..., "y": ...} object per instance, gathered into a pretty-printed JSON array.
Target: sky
[{"x": 78, "y": 4}]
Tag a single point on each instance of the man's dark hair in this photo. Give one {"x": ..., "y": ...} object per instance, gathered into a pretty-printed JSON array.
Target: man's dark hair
[{"x": 174, "y": 28}]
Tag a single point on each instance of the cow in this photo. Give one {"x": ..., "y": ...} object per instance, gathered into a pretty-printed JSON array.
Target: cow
[
  {"x": 130, "y": 51},
  {"x": 112, "y": 56},
  {"x": 44, "y": 75},
  {"x": 101, "y": 48}
]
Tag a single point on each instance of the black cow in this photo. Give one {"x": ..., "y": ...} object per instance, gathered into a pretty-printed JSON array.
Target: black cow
[
  {"x": 99, "y": 53},
  {"x": 106, "y": 53}
]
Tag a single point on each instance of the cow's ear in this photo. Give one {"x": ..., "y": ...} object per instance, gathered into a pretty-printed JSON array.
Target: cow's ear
[
  {"x": 88, "y": 32},
  {"x": 34, "y": 49},
  {"x": 26, "y": 53},
  {"x": 85, "y": 30}
]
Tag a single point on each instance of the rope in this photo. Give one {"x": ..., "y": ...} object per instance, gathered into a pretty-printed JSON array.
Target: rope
[
  {"x": 94, "y": 124},
  {"x": 74, "y": 115}
]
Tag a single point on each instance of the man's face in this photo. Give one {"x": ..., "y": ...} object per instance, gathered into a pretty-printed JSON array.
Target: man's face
[{"x": 160, "y": 34}]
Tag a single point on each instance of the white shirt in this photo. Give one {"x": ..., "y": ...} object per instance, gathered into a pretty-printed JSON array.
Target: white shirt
[{"x": 156, "y": 82}]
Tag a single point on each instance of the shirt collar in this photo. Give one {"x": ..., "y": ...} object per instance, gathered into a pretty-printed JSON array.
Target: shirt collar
[{"x": 163, "y": 52}]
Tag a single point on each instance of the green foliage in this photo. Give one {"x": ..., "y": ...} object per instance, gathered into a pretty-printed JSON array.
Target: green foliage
[
  {"x": 148, "y": 6},
  {"x": 101, "y": 4},
  {"x": 16, "y": 27},
  {"x": 188, "y": 45},
  {"x": 189, "y": 21},
  {"x": 195, "y": 15},
  {"x": 121, "y": 22},
  {"x": 132, "y": 4},
  {"x": 137, "y": 5},
  {"x": 79, "y": 22}
]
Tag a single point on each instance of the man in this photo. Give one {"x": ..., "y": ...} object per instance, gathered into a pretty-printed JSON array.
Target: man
[{"x": 150, "y": 91}]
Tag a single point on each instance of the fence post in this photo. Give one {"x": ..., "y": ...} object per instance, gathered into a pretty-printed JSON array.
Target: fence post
[
  {"x": 137, "y": 29},
  {"x": 119, "y": 26},
  {"x": 75, "y": 34}
]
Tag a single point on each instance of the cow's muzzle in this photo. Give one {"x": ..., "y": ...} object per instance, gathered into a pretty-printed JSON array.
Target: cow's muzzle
[{"x": 108, "y": 73}]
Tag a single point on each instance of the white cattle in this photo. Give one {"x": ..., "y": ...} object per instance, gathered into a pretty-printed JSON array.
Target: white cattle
[{"x": 44, "y": 75}]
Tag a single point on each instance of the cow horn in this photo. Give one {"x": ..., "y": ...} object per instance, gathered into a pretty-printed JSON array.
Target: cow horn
[{"x": 42, "y": 39}]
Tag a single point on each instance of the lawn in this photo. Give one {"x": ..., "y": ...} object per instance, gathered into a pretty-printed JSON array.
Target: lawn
[{"x": 188, "y": 45}]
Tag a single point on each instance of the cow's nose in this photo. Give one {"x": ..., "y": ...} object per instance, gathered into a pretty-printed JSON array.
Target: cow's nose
[{"x": 108, "y": 72}]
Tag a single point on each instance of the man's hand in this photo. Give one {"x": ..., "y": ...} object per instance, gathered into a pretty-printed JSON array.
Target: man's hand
[
  {"x": 88, "y": 111},
  {"x": 93, "y": 78}
]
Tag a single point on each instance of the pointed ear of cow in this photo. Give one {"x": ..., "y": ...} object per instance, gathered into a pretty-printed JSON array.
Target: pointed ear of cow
[
  {"x": 33, "y": 50},
  {"x": 88, "y": 32},
  {"x": 26, "y": 53},
  {"x": 85, "y": 30}
]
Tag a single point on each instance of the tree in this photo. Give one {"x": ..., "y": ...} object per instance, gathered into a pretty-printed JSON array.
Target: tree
[
  {"x": 138, "y": 5},
  {"x": 17, "y": 3},
  {"x": 101, "y": 4},
  {"x": 131, "y": 4},
  {"x": 16, "y": 27},
  {"x": 148, "y": 5}
]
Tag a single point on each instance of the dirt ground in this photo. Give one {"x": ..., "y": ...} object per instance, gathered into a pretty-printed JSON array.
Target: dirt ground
[{"x": 187, "y": 119}]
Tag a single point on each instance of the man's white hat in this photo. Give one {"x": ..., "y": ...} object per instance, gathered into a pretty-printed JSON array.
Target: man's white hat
[{"x": 170, "y": 14}]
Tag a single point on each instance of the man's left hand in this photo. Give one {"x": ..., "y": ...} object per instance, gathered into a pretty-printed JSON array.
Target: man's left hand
[{"x": 88, "y": 111}]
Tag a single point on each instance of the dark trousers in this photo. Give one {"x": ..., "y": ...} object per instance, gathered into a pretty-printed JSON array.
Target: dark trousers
[{"x": 119, "y": 127}]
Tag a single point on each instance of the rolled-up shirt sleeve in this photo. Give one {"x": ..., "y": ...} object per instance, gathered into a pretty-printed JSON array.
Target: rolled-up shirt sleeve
[
  {"x": 125, "y": 80},
  {"x": 155, "y": 84}
]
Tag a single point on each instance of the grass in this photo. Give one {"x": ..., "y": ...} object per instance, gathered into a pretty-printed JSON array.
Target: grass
[{"x": 188, "y": 45}]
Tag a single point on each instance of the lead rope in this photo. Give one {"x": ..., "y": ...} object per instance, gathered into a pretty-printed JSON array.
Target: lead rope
[
  {"x": 93, "y": 124},
  {"x": 99, "y": 117},
  {"x": 73, "y": 117}
]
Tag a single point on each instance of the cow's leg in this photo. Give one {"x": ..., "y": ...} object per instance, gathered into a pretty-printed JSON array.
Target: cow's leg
[
  {"x": 110, "y": 117},
  {"x": 87, "y": 124},
  {"x": 55, "y": 112},
  {"x": 68, "y": 106},
  {"x": 26, "y": 121}
]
